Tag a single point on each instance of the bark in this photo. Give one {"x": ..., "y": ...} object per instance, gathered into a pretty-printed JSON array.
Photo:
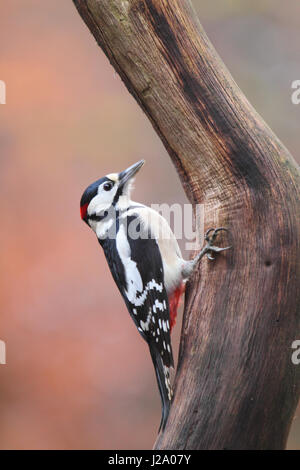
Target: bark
[{"x": 236, "y": 386}]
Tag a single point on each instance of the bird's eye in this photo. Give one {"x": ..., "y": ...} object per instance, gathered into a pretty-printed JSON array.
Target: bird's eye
[{"x": 107, "y": 186}]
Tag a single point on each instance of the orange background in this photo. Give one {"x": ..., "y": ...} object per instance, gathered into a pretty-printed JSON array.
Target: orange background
[{"x": 78, "y": 375}]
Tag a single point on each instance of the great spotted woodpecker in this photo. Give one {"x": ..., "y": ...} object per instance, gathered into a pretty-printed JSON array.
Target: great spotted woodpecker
[{"x": 146, "y": 263}]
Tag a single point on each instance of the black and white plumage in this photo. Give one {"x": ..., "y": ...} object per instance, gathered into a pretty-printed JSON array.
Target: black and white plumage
[
  {"x": 137, "y": 268},
  {"x": 146, "y": 263}
]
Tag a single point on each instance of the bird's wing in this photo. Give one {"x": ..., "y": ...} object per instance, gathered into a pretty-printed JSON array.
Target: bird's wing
[
  {"x": 136, "y": 265},
  {"x": 145, "y": 294}
]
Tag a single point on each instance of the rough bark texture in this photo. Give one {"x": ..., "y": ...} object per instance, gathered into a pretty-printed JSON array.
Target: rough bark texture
[{"x": 235, "y": 387}]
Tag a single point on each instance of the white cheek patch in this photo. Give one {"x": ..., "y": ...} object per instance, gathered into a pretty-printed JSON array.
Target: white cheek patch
[
  {"x": 102, "y": 201},
  {"x": 96, "y": 205}
]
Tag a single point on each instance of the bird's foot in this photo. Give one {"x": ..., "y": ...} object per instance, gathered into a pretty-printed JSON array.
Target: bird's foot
[
  {"x": 207, "y": 250},
  {"x": 210, "y": 237}
]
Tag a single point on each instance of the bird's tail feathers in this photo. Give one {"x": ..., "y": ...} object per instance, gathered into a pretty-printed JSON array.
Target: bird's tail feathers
[{"x": 162, "y": 372}]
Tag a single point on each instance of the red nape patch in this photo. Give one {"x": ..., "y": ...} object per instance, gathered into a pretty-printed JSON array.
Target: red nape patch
[
  {"x": 174, "y": 301},
  {"x": 83, "y": 210}
]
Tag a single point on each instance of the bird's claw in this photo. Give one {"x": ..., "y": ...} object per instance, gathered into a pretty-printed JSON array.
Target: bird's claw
[{"x": 210, "y": 248}]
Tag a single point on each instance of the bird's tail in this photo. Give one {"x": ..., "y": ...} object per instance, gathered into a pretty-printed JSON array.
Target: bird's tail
[{"x": 163, "y": 380}]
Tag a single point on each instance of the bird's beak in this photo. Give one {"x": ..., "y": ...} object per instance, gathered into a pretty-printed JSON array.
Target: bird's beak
[{"x": 129, "y": 173}]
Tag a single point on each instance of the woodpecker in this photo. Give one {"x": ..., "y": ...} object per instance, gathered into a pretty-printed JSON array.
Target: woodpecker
[{"x": 146, "y": 264}]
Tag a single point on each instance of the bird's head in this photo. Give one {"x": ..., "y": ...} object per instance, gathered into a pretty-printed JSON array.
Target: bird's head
[{"x": 111, "y": 191}]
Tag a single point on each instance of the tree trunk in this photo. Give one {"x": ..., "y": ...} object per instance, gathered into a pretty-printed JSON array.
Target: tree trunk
[{"x": 236, "y": 386}]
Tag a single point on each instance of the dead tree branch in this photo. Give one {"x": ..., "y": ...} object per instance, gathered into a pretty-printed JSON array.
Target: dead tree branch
[{"x": 236, "y": 386}]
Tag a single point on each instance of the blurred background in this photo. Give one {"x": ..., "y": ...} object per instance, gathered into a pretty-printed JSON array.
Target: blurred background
[{"x": 78, "y": 375}]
